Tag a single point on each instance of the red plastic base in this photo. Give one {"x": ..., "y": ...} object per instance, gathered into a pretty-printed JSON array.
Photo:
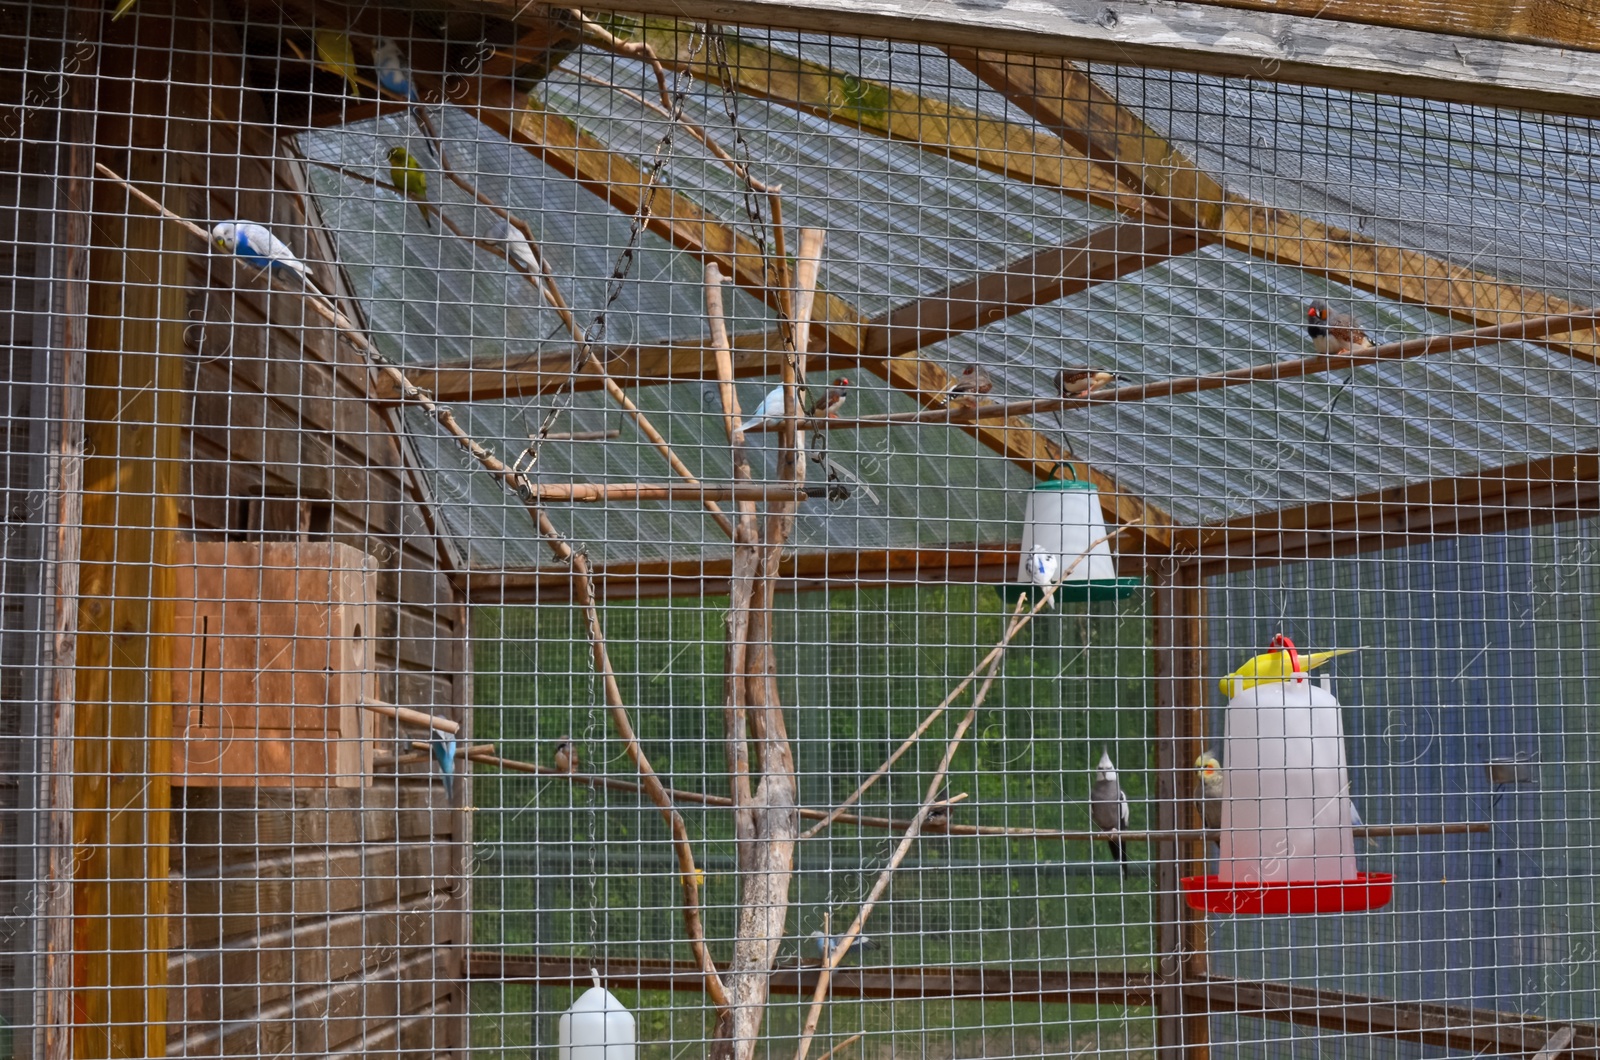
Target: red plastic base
[{"x": 1369, "y": 890}]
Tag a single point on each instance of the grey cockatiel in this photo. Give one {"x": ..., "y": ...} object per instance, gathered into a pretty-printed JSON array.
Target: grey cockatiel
[{"x": 1108, "y": 807}]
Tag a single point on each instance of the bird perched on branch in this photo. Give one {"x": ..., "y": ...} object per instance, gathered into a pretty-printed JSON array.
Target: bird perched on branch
[
  {"x": 443, "y": 746},
  {"x": 410, "y": 179},
  {"x": 393, "y": 74},
  {"x": 518, "y": 250},
  {"x": 1044, "y": 570},
  {"x": 826, "y": 944},
  {"x": 1077, "y": 381},
  {"x": 1211, "y": 795},
  {"x": 565, "y": 755},
  {"x": 334, "y": 49},
  {"x": 827, "y": 406},
  {"x": 1333, "y": 332},
  {"x": 1108, "y": 807},
  {"x": 966, "y": 388},
  {"x": 769, "y": 412},
  {"x": 256, "y": 246},
  {"x": 1273, "y": 666}
]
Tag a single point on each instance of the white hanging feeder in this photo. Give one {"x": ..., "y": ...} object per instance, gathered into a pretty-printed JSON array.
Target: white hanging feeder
[
  {"x": 1287, "y": 844},
  {"x": 596, "y": 1027},
  {"x": 1064, "y": 519}
]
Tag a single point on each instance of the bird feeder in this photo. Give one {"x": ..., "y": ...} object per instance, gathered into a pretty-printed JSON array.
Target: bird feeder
[
  {"x": 596, "y": 1027},
  {"x": 1287, "y": 843},
  {"x": 1063, "y": 517}
]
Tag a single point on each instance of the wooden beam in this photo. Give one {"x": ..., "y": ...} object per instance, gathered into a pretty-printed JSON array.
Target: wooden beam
[
  {"x": 1477, "y": 1031},
  {"x": 1078, "y": 988},
  {"x": 1178, "y": 610},
  {"x": 68, "y": 262},
  {"x": 1191, "y": 36},
  {"x": 969, "y": 564},
  {"x": 1063, "y": 100},
  {"x": 1480, "y": 1031},
  {"x": 1067, "y": 102},
  {"x": 1540, "y": 22},
  {"x": 676, "y": 218},
  {"x": 755, "y": 354},
  {"x": 1537, "y": 493},
  {"x": 992, "y": 144},
  {"x": 133, "y": 409},
  {"x": 1107, "y": 253}
]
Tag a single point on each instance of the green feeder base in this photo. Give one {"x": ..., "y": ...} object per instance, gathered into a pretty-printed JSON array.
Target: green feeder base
[{"x": 1072, "y": 592}]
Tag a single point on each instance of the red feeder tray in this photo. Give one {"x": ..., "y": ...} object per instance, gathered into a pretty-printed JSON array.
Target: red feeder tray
[{"x": 1369, "y": 890}]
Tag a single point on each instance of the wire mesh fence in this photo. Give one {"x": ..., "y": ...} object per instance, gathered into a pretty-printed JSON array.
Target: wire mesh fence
[{"x": 790, "y": 529}]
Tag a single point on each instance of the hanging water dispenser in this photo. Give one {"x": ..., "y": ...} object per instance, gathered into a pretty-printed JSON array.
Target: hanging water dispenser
[
  {"x": 1063, "y": 518},
  {"x": 596, "y": 1027},
  {"x": 1287, "y": 844}
]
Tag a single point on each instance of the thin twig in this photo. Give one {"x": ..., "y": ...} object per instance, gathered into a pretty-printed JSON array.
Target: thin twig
[
  {"x": 842, "y": 947},
  {"x": 944, "y": 704}
]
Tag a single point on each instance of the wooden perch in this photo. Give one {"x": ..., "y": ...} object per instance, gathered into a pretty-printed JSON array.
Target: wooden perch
[
  {"x": 594, "y": 492},
  {"x": 1534, "y": 328},
  {"x": 580, "y": 436},
  {"x": 407, "y": 716}
]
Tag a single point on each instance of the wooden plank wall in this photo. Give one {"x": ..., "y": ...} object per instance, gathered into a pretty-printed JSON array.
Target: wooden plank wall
[{"x": 314, "y": 920}]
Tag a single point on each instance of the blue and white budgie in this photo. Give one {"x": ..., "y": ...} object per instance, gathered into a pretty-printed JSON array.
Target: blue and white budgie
[
  {"x": 1044, "y": 570},
  {"x": 254, "y": 245},
  {"x": 444, "y": 752},
  {"x": 517, "y": 248},
  {"x": 768, "y": 413},
  {"x": 826, "y": 944},
  {"x": 394, "y": 76}
]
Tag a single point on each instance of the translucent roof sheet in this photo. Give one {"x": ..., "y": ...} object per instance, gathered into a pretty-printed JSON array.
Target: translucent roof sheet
[{"x": 1505, "y": 193}]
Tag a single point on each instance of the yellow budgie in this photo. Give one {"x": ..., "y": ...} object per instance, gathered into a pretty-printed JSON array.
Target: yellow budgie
[
  {"x": 410, "y": 179},
  {"x": 333, "y": 48},
  {"x": 1273, "y": 666}
]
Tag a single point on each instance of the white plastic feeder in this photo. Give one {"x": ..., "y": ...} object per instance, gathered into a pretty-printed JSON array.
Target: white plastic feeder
[
  {"x": 596, "y": 1027},
  {"x": 1286, "y": 844},
  {"x": 1063, "y": 517}
]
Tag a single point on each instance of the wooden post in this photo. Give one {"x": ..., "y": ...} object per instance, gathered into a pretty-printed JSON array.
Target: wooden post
[
  {"x": 74, "y": 161},
  {"x": 132, "y": 408},
  {"x": 1183, "y": 1026}
]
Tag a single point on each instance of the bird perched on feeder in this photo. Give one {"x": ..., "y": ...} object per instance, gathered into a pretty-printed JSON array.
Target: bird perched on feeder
[
  {"x": 518, "y": 250},
  {"x": 1108, "y": 807},
  {"x": 1273, "y": 666},
  {"x": 1333, "y": 332},
  {"x": 966, "y": 388},
  {"x": 256, "y": 246},
  {"x": 393, "y": 74},
  {"x": 566, "y": 755},
  {"x": 410, "y": 179},
  {"x": 1044, "y": 569},
  {"x": 1211, "y": 795},
  {"x": 443, "y": 746},
  {"x": 334, "y": 49},
  {"x": 826, "y": 944},
  {"x": 1077, "y": 381}
]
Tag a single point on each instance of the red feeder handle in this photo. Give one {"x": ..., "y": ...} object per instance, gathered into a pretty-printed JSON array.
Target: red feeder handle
[{"x": 1284, "y": 643}]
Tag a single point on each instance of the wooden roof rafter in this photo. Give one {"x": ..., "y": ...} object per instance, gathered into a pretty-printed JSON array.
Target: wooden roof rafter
[
  {"x": 1064, "y": 99},
  {"x": 1105, "y": 254}
]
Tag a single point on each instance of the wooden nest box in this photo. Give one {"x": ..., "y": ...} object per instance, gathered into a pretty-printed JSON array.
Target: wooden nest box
[{"x": 273, "y": 662}]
